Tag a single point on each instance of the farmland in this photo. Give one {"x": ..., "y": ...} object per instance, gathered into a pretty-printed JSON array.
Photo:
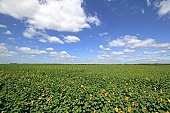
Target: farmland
[{"x": 84, "y": 88}]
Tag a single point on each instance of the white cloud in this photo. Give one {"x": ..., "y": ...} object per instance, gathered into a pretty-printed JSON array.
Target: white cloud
[
  {"x": 103, "y": 34},
  {"x": 49, "y": 49},
  {"x": 117, "y": 53},
  {"x": 132, "y": 42},
  {"x": 103, "y": 57},
  {"x": 3, "y": 26},
  {"x": 148, "y": 3},
  {"x": 53, "y": 53},
  {"x": 61, "y": 55},
  {"x": 164, "y": 7},
  {"x": 129, "y": 48},
  {"x": 70, "y": 39},
  {"x": 60, "y": 15},
  {"x": 128, "y": 51},
  {"x": 103, "y": 48},
  {"x": 53, "y": 39},
  {"x": 143, "y": 44},
  {"x": 155, "y": 52},
  {"x": 4, "y": 52},
  {"x": 91, "y": 50},
  {"x": 12, "y": 39},
  {"x": 126, "y": 55},
  {"x": 143, "y": 11},
  {"x": 9, "y": 7},
  {"x": 64, "y": 54},
  {"x": 123, "y": 57},
  {"x": 117, "y": 43},
  {"x": 42, "y": 40},
  {"x": 94, "y": 19},
  {"x": 148, "y": 59},
  {"x": 7, "y": 32},
  {"x": 29, "y": 32},
  {"x": 162, "y": 45},
  {"x": 28, "y": 50}
]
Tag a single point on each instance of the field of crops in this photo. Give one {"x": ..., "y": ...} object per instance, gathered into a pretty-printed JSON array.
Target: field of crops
[{"x": 84, "y": 88}]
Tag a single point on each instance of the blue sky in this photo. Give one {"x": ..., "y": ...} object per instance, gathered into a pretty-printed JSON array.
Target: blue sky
[{"x": 85, "y": 31}]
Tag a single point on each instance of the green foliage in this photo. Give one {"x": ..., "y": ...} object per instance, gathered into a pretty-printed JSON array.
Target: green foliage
[{"x": 85, "y": 88}]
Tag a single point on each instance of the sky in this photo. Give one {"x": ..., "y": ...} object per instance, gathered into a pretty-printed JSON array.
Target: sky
[{"x": 85, "y": 31}]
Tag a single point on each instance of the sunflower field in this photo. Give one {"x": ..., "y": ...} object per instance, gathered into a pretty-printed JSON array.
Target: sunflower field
[{"x": 54, "y": 88}]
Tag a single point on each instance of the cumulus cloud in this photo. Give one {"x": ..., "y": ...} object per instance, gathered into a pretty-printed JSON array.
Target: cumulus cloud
[
  {"x": 148, "y": 59},
  {"x": 162, "y": 45},
  {"x": 54, "y": 39},
  {"x": 94, "y": 19},
  {"x": 7, "y": 32},
  {"x": 51, "y": 39},
  {"x": 128, "y": 48},
  {"x": 117, "y": 56},
  {"x": 42, "y": 40},
  {"x": 143, "y": 11},
  {"x": 155, "y": 52},
  {"x": 61, "y": 55},
  {"x": 4, "y": 52},
  {"x": 28, "y": 50},
  {"x": 12, "y": 39},
  {"x": 91, "y": 50},
  {"x": 49, "y": 49},
  {"x": 117, "y": 53},
  {"x": 143, "y": 44},
  {"x": 117, "y": 43},
  {"x": 163, "y": 7},
  {"x": 123, "y": 52},
  {"x": 132, "y": 42},
  {"x": 148, "y": 3},
  {"x": 70, "y": 39},
  {"x": 123, "y": 57},
  {"x": 60, "y": 15},
  {"x": 3, "y": 26},
  {"x": 103, "y": 34},
  {"x": 29, "y": 32},
  {"x": 103, "y": 48},
  {"x": 103, "y": 57},
  {"x": 128, "y": 51}
]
